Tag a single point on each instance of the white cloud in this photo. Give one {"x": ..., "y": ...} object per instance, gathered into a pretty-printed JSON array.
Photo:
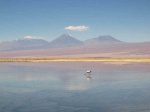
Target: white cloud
[
  {"x": 77, "y": 28},
  {"x": 31, "y": 37}
]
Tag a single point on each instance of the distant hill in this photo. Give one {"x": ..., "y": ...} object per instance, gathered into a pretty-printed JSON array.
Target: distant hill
[
  {"x": 111, "y": 50},
  {"x": 65, "y": 40},
  {"x": 67, "y": 46},
  {"x": 23, "y": 44},
  {"x": 106, "y": 39}
]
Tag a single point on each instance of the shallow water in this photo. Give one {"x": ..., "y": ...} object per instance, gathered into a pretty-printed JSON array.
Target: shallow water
[{"x": 62, "y": 87}]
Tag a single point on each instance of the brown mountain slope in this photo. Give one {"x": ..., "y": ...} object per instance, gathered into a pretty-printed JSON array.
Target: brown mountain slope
[{"x": 112, "y": 50}]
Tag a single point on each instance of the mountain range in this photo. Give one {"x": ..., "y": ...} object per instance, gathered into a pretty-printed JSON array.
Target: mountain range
[
  {"x": 65, "y": 40},
  {"x": 68, "y": 46}
]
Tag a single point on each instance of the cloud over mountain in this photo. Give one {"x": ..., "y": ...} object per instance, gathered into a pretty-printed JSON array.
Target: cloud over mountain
[
  {"x": 31, "y": 37},
  {"x": 28, "y": 37},
  {"x": 77, "y": 28}
]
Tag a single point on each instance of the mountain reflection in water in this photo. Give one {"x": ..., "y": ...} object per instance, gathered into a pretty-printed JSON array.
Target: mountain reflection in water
[{"x": 44, "y": 87}]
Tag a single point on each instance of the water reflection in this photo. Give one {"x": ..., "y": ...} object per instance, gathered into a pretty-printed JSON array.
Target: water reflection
[
  {"x": 32, "y": 77},
  {"x": 71, "y": 82},
  {"x": 64, "y": 88},
  {"x": 81, "y": 86}
]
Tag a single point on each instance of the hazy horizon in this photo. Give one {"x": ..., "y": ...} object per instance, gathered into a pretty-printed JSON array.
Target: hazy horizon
[{"x": 125, "y": 20}]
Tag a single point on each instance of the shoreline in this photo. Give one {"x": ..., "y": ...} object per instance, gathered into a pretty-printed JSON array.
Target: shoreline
[{"x": 91, "y": 59}]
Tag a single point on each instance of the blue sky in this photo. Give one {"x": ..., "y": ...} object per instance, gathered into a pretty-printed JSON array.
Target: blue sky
[{"x": 126, "y": 20}]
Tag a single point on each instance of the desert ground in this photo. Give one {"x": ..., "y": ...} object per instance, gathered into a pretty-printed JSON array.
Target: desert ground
[{"x": 96, "y": 59}]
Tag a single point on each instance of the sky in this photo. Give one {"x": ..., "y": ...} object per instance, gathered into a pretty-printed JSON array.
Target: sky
[{"x": 126, "y": 20}]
